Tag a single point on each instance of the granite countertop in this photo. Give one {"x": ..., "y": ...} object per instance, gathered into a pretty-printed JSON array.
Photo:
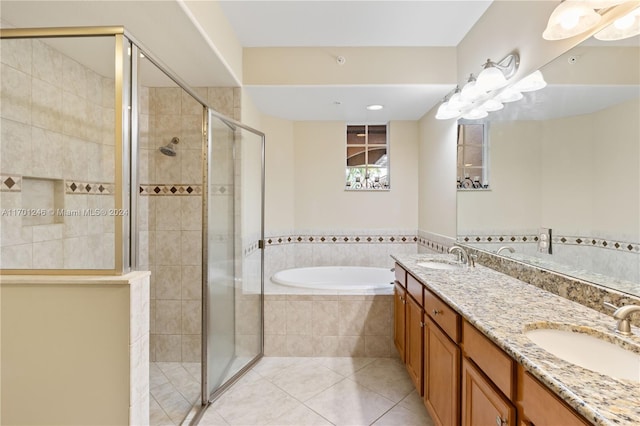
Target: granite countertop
[{"x": 502, "y": 307}]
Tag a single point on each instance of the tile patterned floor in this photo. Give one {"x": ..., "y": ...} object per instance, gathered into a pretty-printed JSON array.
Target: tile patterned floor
[
  {"x": 321, "y": 391},
  {"x": 174, "y": 388}
]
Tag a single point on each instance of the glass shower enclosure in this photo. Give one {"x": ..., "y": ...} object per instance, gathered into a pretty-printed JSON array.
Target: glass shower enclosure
[{"x": 118, "y": 131}]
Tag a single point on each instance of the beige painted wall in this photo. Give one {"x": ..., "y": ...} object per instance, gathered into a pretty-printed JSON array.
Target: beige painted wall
[
  {"x": 65, "y": 354},
  {"x": 321, "y": 203},
  {"x": 393, "y": 65},
  {"x": 279, "y": 191}
]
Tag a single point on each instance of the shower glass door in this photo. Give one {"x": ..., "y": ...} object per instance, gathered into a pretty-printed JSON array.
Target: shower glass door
[{"x": 232, "y": 336}]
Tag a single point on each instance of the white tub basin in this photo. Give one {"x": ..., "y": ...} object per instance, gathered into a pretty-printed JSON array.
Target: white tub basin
[
  {"x": 441, "y": 264},
  {"x": 588, "y": 351}
]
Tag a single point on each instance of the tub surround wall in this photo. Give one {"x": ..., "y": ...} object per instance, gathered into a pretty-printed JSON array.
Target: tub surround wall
[
  {"x": 82, "y": 342},
  {"x": 328, "y": 325},
  {"x": 57, "y": 157}
]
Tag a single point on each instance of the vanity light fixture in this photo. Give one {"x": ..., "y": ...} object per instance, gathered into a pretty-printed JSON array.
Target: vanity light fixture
[
  {"x": 573, "y": 17},
  {"x": 532, "y": 82},
  {"x": 496, "y": 74},
  {"x": 445, "y": 111},
  {"x": 475, "y": 114},
  {"x": 471, "y": 91},
  {"x": 456, "y": 101},
  {"x": 625, "y": 27},
  {"x": 509, "y": 95},
  {"x": 491, "y": 105},
  {"x": 570, "y": 18}
]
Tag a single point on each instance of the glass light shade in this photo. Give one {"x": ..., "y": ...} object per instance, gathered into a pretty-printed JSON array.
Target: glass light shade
[
  {"x": 475, "y": 114},
  {"x": 445, "y": 112},
  {"x": 457, "y": 102},
  {"x": 625, "y": 27},
  {"x": 490, "y": 78},
  {"x": 509, "y": 95},
  {"x": 532, "y": 82},
  {"x": 570, "y": 18},
  {"x": 491, "y": 105},
  {"x": 471, "y": 91},
  {"x": 601, "y": 4}
]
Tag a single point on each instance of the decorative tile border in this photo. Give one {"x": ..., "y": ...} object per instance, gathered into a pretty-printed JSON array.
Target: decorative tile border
[
  {"x": 498, "y": 238},
  {"x": 176, "y": 189},
  {"x": 588, "y": 241},
  {"x": 88, "y": 188},
  {"x": 10, "y": 183},
  {"x": 433, "y": 245},
  {"x": 341, "y": 239}
]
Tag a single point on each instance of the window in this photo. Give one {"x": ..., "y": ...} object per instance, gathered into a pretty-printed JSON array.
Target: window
[
  {"x": 472, "y": 156},
  {"x": 367, "y": 157}
]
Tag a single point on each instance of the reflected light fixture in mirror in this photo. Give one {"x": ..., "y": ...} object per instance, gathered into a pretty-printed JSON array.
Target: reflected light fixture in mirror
[{"x": 478, "y": 103}]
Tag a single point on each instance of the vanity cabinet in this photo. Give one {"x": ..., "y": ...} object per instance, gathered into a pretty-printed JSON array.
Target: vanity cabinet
[
  {"x": 399, "y": 319},
  {"x": 482, "y": 402},
  {"x": 441, "y": 375},
  {"x": 413, "y": 349},
  {"x": 537, "y": 406},
  {"x": 465, "y": 378}
]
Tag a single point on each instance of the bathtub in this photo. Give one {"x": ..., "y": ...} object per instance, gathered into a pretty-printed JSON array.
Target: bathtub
[{"x": 323, "y": 279}]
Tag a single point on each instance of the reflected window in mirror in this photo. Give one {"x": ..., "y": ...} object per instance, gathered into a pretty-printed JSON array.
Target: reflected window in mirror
[
  {"x": 472, "y": 161},
  {"x": 367, "y": 162}
]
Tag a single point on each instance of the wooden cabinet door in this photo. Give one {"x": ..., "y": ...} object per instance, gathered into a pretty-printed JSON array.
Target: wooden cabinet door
[
  {"x": 442, "y": 376},
  {"x": 413, "y": 348},
  {"x": 482, "y": 403},
  {"x": 399, "y": 304}
]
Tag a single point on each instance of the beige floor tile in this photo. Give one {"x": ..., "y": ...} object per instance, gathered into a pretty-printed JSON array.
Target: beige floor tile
[
  {"x": 414, "y": 402},
  {"x": 171, "y": 401},
  {"x": 402, "y": 416},
  {"x": 345, "y": 365},
  {"x": 301, "y": 416},
  {"x": 387, "y": 377},
  {"x": 348, "y": 403},
  {"x": 211, "y": 418},
  {"x": 156, "y": 376},
  {"x": 157, "y": 416},
  {"x": 270, "y": 366},
  {"x": 305, "y": 379},
  {"x": 254, "y": 403}
]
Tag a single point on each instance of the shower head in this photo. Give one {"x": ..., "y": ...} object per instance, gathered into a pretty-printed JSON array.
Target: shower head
[{"x": 169, "y": 149}]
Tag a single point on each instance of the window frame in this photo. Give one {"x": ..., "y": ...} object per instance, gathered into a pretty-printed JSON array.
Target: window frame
[
  {"x": 367, "y": 147},
  {"x": 465, "y": 182}
]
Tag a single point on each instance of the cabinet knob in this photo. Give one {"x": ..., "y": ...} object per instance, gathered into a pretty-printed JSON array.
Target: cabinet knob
[
  {"x": 500, "y": 421},
  {"x": 436, "y": 312},
  {"x": 422, "y": 324}
]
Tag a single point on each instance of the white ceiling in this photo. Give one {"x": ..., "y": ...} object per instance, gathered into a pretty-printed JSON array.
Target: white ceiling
[{"x": 353, "y": 24}]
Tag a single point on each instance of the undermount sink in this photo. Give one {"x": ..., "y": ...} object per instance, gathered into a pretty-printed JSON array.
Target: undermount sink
[
  {"x": 440, "y": 264},
  {"x": 588, "y": 351}
]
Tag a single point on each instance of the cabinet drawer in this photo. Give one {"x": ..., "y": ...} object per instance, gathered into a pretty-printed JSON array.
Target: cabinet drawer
[
  {"x": 401, "y": 275},
  {"x": 443, "y": 315},
  {"x": 542, "y": 408},
  {"x": 497, "y": 365},
  {"x": 414, "y": 288}
]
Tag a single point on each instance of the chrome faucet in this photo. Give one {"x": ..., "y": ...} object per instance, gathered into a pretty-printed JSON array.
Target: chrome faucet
[
  {"x": 508, "y": 248},
  {"x": 462, "y": 254},
  {"x": 622, "y": 315}
]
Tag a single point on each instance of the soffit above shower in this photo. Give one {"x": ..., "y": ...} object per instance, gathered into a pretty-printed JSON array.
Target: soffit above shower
[{"x": 162, "y": 26}]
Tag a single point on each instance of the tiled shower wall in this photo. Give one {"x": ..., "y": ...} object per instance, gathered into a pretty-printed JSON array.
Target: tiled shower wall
[
  {"x": 57, "y": 160},
  {"x": 170, "y": 221}
]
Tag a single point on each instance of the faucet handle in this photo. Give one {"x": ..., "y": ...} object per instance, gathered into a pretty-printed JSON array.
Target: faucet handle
[
  {"x": 610, "y": 306},
  {"x": 473, "y": 258}
]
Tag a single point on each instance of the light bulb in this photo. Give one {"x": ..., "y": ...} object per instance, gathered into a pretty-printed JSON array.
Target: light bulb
[
  {"x": 624, "y": 22},
  {"x": 625, "y": 27},
  {"x": 491, "y": 105},
  {"x": 490, "y": 78},
  {"x": 475, "y": 114},
  {"x": 509, "y": 95},
  {"x": 445, "y": 112},
  {"x": 532, "y": 82},
  {"x": 570, "y": 18}
]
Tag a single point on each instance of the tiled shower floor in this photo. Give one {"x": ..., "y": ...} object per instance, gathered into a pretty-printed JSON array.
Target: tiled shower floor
[
  {"x": 174, "y": 388},
  {"x": 321, "y": 391}
]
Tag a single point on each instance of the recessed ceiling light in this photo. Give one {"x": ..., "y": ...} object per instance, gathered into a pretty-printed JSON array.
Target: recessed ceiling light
[{"x": 374, "y": 107}]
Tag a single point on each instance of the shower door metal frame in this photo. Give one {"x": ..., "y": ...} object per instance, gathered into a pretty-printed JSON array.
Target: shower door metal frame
[{"x": 206, "y": 397}]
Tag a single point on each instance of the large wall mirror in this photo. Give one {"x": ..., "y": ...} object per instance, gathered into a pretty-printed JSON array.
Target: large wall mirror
[{"x": 567, "y": 158}]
